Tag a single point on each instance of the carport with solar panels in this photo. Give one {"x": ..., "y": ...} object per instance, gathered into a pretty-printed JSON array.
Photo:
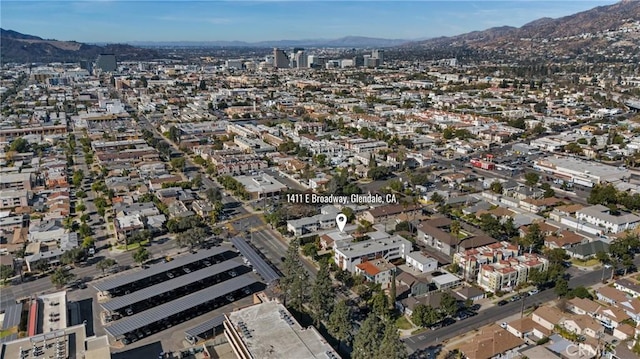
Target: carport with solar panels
[{"x": 166, "y": 294}]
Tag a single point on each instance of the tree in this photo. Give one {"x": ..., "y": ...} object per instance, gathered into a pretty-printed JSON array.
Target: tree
[
  {"x": 197, "y": 181},
  {"x": 448, "y": 304},
  {"x": 562, "y": 287},
  {"x": 5, "y": 272},
  {"x": 88, "y": 242},
  {"x": 322, "y": 294},
  {"x": 581, "y": 292},
  {"x": 603, "y": 257},
  {"x": 538, "y": 278},
  {"x": 40, "y": 265},
  {"x": 72, "y": 256},
  {"x": 455, "y": 228},
  {"x": 85, "y": 230},
  {"x": 294, "y": 283},
  {"x": 61, "y": 277},
  {"x": 81, "y": 207},
  {"x": 213, "y": 195},
  {"x": 19, "y": 145},
  {"x": 369, "y": 338},
  {"x": 178, "y": 163},
  {"x": 141, "y": 255},
  {"x": 593, "y": 141},
  {"x": 339, "y": 324},
  {"x": 105, "y": 264},
  {"x": 391, "y": 347},
  {"x": 192, "y": 237},
  {"x": 531, "y": 178},
  {"x": 496, "y": 187},
  {"x": 425, "y": 315},
  {"x": 548, "y": 191},
  {"x": 534, "y": 239},
  {"x": 437, "y": 198},
  {"x": 380, "y": 304}
]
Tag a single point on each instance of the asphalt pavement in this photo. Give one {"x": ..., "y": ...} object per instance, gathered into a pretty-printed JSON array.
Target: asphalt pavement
[{"x": 433, "y": 338}]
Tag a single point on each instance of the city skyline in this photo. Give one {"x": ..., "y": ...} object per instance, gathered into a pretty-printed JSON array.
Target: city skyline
[{"x": 255, "y": 21}]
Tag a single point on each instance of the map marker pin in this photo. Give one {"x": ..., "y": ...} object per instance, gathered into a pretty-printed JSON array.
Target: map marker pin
[{"x": 341, "y": 220}]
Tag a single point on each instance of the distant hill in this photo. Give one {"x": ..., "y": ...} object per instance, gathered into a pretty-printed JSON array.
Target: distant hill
[
  {"x": 23, "y": 48},
  {"x": 345, "y": 42},
  {"x": 507, "y": 38}
]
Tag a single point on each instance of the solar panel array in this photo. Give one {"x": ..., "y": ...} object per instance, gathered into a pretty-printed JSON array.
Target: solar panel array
[
  {"x": 169, "y": 285},
  {"x": 121, "y": 280},
  {"x": 155, "y": 314},
  {"x": 205, "y": 327},
  {"x": 11, "y": 319},
  {"x": 259, "y": 264}
]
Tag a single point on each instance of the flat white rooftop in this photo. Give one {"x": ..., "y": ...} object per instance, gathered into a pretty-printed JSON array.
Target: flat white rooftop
[{"x": 273, "y": 333}]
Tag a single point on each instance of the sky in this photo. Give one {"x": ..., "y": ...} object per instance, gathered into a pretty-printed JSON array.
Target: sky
[{"x": 158, "y": 20}]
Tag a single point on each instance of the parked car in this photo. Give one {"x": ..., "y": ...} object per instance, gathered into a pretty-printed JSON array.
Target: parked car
[{"x": 533, "y": 292}]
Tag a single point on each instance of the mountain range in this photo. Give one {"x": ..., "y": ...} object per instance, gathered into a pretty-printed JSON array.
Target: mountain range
[
  {"x": 22, "y": 48},
  {"x": 345, "y": 42},
  {"x": 503, "y": 38},
  {"x": 562, "y": 36}
]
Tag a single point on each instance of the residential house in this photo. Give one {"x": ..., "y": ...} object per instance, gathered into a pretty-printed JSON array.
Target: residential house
[
  {"x": 526, "y": 327},
  {"x": 615, "y": 297},
  {"x": 383, "y": 214},
  {"x": 471, "y": 293},
  {"x": 421, "y": 262},
  {"x": 491, "y": 342},
  {"x": 564, "y": 239},
  {"x": 411, "y": 286},
  {"x": 547, "y": 317},
  {"x": 377, "y": 271},
  {"x": 628, "y": 286},
  {"x": 202, "y": 208},
  {"x": 587, "y": 250},
  {"x": 582, "y": 325}
]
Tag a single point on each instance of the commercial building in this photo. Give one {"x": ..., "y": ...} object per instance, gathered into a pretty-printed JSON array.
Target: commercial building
[
  {"x": 261, "y": 186},
  {"x": 267, "y": 330},
  {"x": 106, "y": 62},
  {"x": 280, "y": 59},
  {"x": 581, "y": 172},
  {"x": 49, "y": 333},
  {"x": 348, "y": 255}
]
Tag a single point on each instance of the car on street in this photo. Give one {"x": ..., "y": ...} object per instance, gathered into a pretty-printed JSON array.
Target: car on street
[
  {"x": 502, "y": 302},
  {"x": 533, "y": 292},
  {"x": 503, "y": 325}
]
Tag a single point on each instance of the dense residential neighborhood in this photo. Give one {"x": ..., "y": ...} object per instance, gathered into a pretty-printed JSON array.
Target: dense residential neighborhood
[{"x": 191, "y": 208}]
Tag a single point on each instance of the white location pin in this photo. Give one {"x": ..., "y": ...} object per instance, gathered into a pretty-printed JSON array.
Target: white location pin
[{"x": 341, "y": 220}]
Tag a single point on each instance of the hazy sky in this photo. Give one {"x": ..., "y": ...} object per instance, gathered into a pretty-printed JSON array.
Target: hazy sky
[{"x": 122, "y": 21}]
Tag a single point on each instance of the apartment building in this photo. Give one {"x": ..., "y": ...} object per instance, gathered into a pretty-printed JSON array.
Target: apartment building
[
  {"x": 348, "y": 255},
  {"x": 505, "y": 275},
  {"x": 601, "y": 216},
  {"x": 325, "y": 220},
  {"x": 13, "y": 198},
  {"x": 470, "y": 261},
  {"x": 17, "y": 181}
]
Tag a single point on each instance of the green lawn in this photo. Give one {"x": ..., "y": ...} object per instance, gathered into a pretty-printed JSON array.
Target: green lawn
[
  {"x": 588, "y": 263},
  {"x": 403, "y": 323},
  {"x": 132, "y": 246}
]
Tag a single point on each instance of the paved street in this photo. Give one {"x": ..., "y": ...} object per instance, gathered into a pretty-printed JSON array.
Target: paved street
[{"x": 496, "y": 313}]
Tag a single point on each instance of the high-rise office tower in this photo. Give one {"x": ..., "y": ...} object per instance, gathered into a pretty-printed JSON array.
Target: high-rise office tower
[
  {"x": 280, "y": 59},
  {"x": 106, "y": 62},
  {"x": 301, "y": 60},
  {"x": 378, "y": 54},
  {"x": 358, "y": 61}
]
